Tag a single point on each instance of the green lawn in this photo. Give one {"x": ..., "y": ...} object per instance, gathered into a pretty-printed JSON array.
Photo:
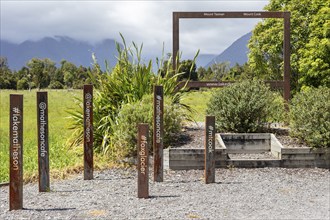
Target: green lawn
[
  {"x": 198, "y": 100},
  {"x": 61, "y": 157}
]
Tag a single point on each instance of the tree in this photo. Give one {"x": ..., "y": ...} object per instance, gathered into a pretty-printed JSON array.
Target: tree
[
  {"x": 203, "y": 73},
  {"x": 188, "y": 68},
  {"x": 68, "y": 70},
  {"x": 7, "y": 78},
  {"x": 309, "y": 43},
  {"x": 314, "y": 65},
  {"x": 24, "y": 79},
  {"x": 219, "y": 70},
  {"x": 40, "y": 71}
]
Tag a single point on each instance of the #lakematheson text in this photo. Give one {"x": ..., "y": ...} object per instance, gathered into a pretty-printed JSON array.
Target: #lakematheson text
[{"x": 16, "y": 144}]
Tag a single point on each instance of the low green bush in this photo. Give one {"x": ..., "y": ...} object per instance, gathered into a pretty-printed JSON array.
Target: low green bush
[
  {"x": 246, "y": 106},
  {"x": 310, "y": 117},
  {"x": 125, "y": 129}
]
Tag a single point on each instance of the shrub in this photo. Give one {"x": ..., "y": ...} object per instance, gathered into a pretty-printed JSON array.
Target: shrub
[
  {"x": 125, "y": 130},
  {"x": 245, "y": 107},
  {"x": 56, "y": 85},
  {"x": 310, "y": 117},
  {"x": 127, "y": 83}
]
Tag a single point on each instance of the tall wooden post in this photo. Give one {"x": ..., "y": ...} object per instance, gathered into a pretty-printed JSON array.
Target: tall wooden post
[
  {"x": 286, "y": 49},
  {"x": 43, "y": 146},
  {"x": 16, "y": 152},
  {"x": 143, "y": 161},
  {"x": 158, "y": 133},
  {"x": 88, "y": 132},
  {"x": 209, "y": 149}
]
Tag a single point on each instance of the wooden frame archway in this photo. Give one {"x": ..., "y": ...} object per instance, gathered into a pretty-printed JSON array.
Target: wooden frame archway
[{"x": 285, "y": 83}]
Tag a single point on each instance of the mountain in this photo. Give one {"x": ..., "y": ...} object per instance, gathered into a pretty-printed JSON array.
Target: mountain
[
  {"x": 204, "y": 59},
  {"x": 80, "y": 53},
  {"x": 235, "y": 53},
  {"x": 58, "y": 48}
]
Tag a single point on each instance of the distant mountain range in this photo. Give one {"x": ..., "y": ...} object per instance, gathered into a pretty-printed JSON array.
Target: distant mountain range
[
  {"x": 235, "y": 53},
  {"x": 80, "y": 53},
  {"x": 57, "y": 49}
]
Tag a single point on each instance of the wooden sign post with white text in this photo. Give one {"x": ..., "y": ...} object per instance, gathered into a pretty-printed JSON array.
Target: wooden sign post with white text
[
  {"x": 88, "y": 132},
  {"x": 16, "y": 152},
  {"x": 143, "y": 161},
  {"x": 158, "y": 134},
  {"x": 209, "y": 149},
  {"x": 43, "y": 148}
]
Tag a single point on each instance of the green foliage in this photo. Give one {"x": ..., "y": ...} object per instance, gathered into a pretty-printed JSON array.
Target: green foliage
[
  {"x": 188, "y": 68},
  {"x": 43, "y": 73},
  {"x": 310, "y": 117},
  {"x": 40, "y": 71},
  {"x": 7, "y": 78},
  {"x": 223, "y": 71},
  {"x": 314, "y": 65},
  {"x": 244, "y": 107},
  {"x": 125, "y": 128},
  {"x": 128, "y": 82},
  {"x": 198, "y": 101},
  {"x": 310, "y": 44},
  {"x": 22, "y": 84}
]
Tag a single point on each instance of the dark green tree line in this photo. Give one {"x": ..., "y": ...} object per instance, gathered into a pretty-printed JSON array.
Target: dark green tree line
[{"x": 43, "y": 73}]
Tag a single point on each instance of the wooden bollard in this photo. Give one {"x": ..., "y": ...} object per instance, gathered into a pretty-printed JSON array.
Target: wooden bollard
[
  {"x": 88, "y": 132},
  {"x": 143, "y": 161},
  {"x": 158, "y": 134},
  {"x": 209, "y": 149},
  {"x": 43, "y": 143},
  {"x": 16, "y": 152}
]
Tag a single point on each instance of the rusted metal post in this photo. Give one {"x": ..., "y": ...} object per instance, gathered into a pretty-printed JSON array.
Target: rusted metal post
[
  {"x": 176, "y": 29},
  {"x": 209, "y": 149},
  {"x": 286, "y": 48},
  {"x": 16, "y": 152},
  {"x": 88, "y": 132},
  {"x": 158, "y": 133},
  {"x": 43, "y": 146},
  {"x": 143, "y": 161}
]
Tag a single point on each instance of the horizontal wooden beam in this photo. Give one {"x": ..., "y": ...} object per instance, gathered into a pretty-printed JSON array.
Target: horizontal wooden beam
[
  {"x": 232, "y": 14},
  {"x": 218, "y": 84}
]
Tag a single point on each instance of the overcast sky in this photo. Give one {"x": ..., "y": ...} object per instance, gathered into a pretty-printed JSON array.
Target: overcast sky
[{"x": 147, "y": 22}]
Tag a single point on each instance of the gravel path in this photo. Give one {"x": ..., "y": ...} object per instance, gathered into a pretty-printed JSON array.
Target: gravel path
[{"x": 268, "y": 193}]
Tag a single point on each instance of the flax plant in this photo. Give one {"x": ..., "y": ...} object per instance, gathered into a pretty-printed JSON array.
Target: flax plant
[{"x": 127, "y": 82}]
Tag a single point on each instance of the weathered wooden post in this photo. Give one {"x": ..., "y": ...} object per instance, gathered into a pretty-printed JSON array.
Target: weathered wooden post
[
  {"x": 209, "y": 149},
  {"x": 143, "y": 161},
  {"x": 16, "y": 152},
  {"x": 88, "y": 132},
  {"x": 158, "y": 133},
  {"x": 43, "y": 146}
]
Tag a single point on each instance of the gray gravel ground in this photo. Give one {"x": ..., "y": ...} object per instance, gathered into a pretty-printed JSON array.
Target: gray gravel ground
[{"x": 267, "y": 193}]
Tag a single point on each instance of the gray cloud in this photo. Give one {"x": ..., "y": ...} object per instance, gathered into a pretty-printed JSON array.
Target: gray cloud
[{"x": 147, "y": 22}]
